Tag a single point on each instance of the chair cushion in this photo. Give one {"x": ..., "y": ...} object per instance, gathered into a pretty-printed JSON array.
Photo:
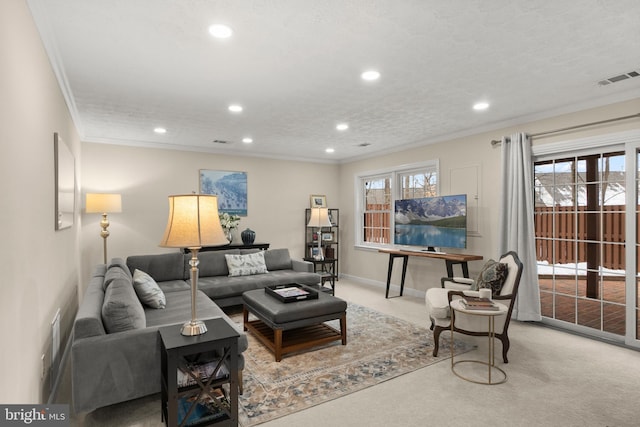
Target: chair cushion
[
  {"x": 492, "y": 275},
  {"x": 437, "y": 301}
]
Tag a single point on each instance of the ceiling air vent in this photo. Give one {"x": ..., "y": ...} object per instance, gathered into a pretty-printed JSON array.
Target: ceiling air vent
[
  {"x": 619, "y": 78},
  {"x": 364, "y": 144},
  {"x": 220, "y": 141}
]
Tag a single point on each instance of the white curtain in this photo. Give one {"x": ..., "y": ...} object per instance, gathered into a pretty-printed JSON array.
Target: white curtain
[{"x": 516, "y": 221}]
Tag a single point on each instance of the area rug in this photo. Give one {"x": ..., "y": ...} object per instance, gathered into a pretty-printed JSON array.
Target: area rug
[{"x": 379, "y": 347}]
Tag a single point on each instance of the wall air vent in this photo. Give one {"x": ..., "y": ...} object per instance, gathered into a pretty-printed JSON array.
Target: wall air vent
[{"x": 619, "y": 78}]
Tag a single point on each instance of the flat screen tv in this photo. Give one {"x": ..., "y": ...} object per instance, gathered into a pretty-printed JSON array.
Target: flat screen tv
[{"x": 431, "y": 222}]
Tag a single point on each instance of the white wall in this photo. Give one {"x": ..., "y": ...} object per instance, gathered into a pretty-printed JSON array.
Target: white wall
[
  {"x": 473, "y": 150},
  {"x": 278, "y": 193},
  {"x": 39, "y": 265}
]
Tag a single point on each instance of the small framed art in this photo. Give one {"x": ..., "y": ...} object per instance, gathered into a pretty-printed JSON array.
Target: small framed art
[{"x": 318, "y": 201}]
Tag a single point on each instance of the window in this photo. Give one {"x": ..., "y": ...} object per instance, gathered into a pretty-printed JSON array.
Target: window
[{"x": 377, "y": 192}]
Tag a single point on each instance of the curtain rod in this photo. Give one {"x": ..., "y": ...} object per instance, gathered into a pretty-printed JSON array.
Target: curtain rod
[{"x": 495, "y": 142}]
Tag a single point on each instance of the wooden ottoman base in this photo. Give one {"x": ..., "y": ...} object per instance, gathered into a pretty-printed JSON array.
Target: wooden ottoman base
[{"x": 281, "y": 341}]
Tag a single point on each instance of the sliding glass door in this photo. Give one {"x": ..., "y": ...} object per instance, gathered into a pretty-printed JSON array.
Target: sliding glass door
[{"x": 589, "y": 276}]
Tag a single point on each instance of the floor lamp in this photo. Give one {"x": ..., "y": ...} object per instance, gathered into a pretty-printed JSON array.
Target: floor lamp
[
  {"x": 319, "y": 218},
  {"x": 193, "y": 223},
  {"x": 104, "y": 203}
]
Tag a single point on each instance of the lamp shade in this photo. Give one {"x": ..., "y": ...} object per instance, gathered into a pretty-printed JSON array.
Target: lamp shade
[
  {"x": 103, "y": 203},
  {"x": 193, "y": 222},
  {"x": 319, "y": 218}
]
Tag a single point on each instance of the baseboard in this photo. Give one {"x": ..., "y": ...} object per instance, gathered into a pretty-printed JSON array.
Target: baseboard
[{"x": 394, "y": 290}]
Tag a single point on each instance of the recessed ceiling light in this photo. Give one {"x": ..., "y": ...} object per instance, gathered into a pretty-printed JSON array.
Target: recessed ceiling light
[
  {"x": 370, "y": 75},
  {"x": 235, "y": 108},
  {"x": 342, "y": 126},
  {"x": 479, "y": 106},
  {"x": 329, "y": 150},
  {"x": 160, "y": 130},
  {"x": 220, "y": 31},
  {"x": 247, "y": 140}
]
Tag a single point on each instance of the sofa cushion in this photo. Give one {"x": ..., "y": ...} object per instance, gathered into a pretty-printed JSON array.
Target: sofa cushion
[
  {"x": 120, "y": 263},
  {"x": 122, "y": 310},
  {"x": 114, "y": 273},
  {"x": 246, "y": 265},
  {"x": 212, "y": 263},
  {"x": 148, "y": 290},
  {"x": 277, "y": 259},
  {"x": 225, "y": 287},
  {"x": 161, "y": 267}
]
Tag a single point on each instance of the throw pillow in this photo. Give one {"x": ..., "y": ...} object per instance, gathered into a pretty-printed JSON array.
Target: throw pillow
[
  {"x": 148, "y": 290},
  {"x": 245, "y": 265},
  {"x": 492, "y": 276},
  {"x": 121, "y": 310}
]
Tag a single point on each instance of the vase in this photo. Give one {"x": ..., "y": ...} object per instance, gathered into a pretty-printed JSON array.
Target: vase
[
  {"x": 229, "y": 235},
  {"x": 248, "y": 236}
]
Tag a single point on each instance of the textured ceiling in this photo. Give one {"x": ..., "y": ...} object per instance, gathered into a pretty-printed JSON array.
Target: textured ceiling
[{"x": 127, "y": 67}]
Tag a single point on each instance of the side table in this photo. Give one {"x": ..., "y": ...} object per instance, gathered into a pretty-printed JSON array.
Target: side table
[
  {"x": 326, "y": 268},
  {"x": 456, "y": 306},
  {"x": 179, "y": 352}
]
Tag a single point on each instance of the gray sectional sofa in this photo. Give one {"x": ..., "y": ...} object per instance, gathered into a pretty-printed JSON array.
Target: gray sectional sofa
[{"x": 115, "y": 353}]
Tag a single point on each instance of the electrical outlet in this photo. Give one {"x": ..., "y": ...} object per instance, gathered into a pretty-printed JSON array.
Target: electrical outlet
[{"x": 42, "y": 372}]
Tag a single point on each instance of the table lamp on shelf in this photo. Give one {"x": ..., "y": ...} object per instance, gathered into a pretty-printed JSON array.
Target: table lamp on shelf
[
  {"x": 319, "y": 218},
  {"x": 104, "y": 203},
  {"x": 193, "y": 223}
]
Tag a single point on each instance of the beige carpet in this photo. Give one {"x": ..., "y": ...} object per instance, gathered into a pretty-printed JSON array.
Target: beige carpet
[{"x": 379, "y": 347}]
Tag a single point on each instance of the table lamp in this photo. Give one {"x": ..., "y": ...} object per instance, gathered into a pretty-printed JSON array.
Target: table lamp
[
  {"x": 104, "y": 203},
  {"x": 193, "y": 223},
  {"x": 319, "y": 218}
]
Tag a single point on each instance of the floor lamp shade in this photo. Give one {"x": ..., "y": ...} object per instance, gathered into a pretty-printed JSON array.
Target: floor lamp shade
[
  {"x": 193, "y": 223},
  {"x": 104, "y": 203}
]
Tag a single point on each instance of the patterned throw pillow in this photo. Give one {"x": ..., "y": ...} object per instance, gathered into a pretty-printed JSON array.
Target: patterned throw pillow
[
  {"x": 148, "y": 290},
  {"x": 246, "y": 265},
  {"x": 492, "y": 276}
]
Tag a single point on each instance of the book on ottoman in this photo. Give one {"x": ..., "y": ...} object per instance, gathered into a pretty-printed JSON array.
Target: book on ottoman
[{"x": 291, "y": 292}]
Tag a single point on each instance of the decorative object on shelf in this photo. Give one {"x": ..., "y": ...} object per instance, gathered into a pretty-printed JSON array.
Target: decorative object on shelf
[
  {"x": 248, "y": 236},
  {"x": 319, "y": 218},
  {"x": 104, "y": 203},
  {"x": 230, "y": 187},
  {"x": 193, "y": 223},
  {"x": 318, "y": 201},
  {"x": 229, "y": 222},
  {"x": 65, "y": 181}
]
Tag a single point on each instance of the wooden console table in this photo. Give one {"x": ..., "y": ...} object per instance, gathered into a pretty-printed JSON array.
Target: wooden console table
[
  {"x": 450, "y": 260},
  {"x": 261, "y": 246}
]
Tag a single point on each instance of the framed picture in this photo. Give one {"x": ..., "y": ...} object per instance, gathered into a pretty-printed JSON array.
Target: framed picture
[
  {"x": 229, "y": 186},
  {"x": 327, "y": 237},
  {"x": 65, "y": 183},
  {"x": 315, "y": 252},
  {"x": 318, "y": 201}
]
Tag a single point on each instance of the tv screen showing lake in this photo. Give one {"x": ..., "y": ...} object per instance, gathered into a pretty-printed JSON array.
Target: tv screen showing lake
[{"x": 430, "y": 235}]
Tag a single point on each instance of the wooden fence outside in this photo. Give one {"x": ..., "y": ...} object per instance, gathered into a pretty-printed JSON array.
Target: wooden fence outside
[
  {"x": 377, "y": 225},
  {"x": 570, "y": 239}
]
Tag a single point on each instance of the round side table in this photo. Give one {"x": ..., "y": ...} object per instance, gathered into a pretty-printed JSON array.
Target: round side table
[{"x": 456, "y": 306}]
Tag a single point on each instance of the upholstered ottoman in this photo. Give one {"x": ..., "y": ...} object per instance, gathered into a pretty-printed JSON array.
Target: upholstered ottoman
[{"x": 294, "y": 326}]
